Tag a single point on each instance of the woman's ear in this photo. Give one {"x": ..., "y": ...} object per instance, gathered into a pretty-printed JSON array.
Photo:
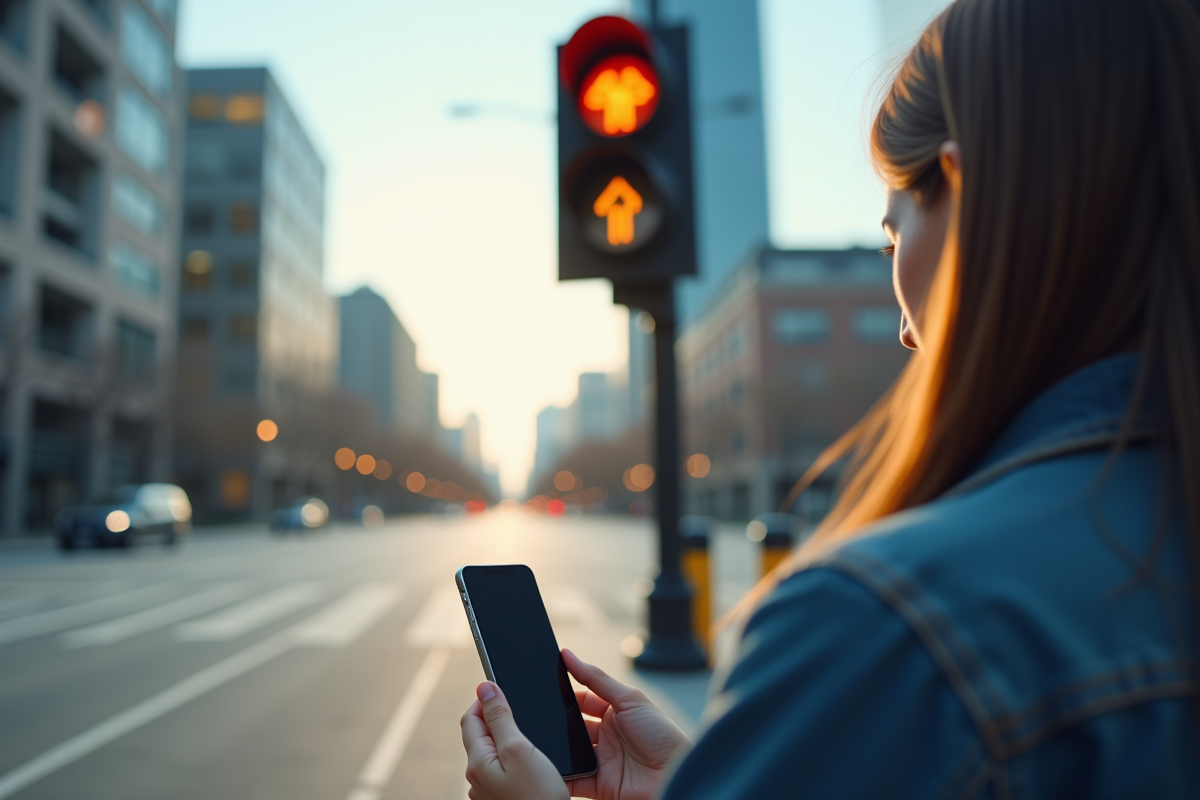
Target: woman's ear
[{"x": 950, "y": 160}]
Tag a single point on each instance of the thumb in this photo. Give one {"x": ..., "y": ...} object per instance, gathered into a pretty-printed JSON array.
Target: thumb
[{"x": 498, "y": 715}]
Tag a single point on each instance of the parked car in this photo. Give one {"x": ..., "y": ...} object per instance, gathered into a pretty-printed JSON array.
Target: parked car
[
  {"x": 302, "y": 514},
  {"x": 117, "y": 518}
]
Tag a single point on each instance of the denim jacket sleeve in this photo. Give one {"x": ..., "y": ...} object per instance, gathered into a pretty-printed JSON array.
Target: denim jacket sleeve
[{"x": 832, "y": 696}]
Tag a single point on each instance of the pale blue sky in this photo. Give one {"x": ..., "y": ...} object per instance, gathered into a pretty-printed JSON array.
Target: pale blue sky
[{"x": 454, "y": 221}]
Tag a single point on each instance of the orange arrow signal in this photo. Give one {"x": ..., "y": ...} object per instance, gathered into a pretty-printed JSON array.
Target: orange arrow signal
[
  {"x": 619, "y": 203},
  {"x": 619, "y": 95}
]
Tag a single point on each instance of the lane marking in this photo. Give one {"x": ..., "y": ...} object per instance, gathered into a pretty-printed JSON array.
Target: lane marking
[
  {"x": 150, "y": 619},
  {"x": 441, "y": 622},
  {"x": 381, "y": 764},
  {"x": 233, "y": 623},
  {"x": 60, "y": 619},
  {"x": 145, "y": 712},
  {"x": 344, "y": 622},
  {"x": 571, "y": 605}
]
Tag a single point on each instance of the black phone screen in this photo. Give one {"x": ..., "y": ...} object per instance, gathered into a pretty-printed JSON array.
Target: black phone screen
[{"x": 524, "y": 657}]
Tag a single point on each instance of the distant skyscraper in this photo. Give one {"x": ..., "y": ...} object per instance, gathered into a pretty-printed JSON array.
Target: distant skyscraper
[
  {"x": 730, "y": 144},
  {"x": 89, "y": 199},
  {"x": 378, "y": 360},
  {"x": 258, "y": 329}
]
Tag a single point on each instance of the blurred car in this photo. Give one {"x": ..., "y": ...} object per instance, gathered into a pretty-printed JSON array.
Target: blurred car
[
  {"x": 117, "y": 518},
  {"x": 303, "y": 514}
]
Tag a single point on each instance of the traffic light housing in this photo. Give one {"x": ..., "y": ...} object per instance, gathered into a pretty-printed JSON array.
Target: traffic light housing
[{"x": 626, "y": 209}]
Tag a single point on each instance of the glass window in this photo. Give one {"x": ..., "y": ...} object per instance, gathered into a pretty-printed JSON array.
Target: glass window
[
  {"x": 197, "y": 271},
  {"x": 137, "y": 205},
  {"x": 134, "y": 269},
  {"x": 204, "y": 106},
  {"x": 199, "y": 219},
  {"x": 801, "y": 325},
  {"x": 735, "y": 342},
  {"x": 876, "y": 324},
  {"x": 163, "y": 9},
  {"x": 243, "y": 217},
  {"x": 135, "y": 352},
  {"x": 205, "y": 160},
  {"x": 244, "y": 109},
  {"x": 241, "y": 328},
  {"x": 14, "y": 23},
  {"x": 145, "y": 51},
  {"x": 141, "y": 131},
  {"x": 10, "y": 127},
  {"x": 814, "y": 376},
  {"x": 195, "y": 329},
  {"x": 242, "y": 274}
]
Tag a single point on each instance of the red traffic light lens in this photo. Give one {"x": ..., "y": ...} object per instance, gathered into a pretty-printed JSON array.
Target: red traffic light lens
[{"x": 619, "y": 95}]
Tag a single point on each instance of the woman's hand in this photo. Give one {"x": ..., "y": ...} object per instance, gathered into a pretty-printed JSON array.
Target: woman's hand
[
  {"x": 635, "y": 741},
  {"x": 501, "y": 763}
]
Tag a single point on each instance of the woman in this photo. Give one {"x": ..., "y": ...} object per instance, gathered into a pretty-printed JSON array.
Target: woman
[{"x": 1002, "y": 602}]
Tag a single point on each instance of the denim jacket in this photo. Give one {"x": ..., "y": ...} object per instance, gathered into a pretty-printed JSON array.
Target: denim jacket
[{"x": 992, "y": 644}]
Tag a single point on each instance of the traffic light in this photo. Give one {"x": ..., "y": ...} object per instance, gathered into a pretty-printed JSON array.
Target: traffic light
[{"x": 625, "y": 155}]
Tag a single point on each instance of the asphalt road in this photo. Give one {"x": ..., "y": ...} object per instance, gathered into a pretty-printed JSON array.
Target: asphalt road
[{"x": 329, "y": 667}]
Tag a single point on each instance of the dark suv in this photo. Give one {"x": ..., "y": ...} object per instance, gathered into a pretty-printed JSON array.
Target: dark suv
[{"x": 118, "y": 517}]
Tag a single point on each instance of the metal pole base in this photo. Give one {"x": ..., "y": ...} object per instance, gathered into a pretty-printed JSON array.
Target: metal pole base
[{"x": 670, "y": 610}]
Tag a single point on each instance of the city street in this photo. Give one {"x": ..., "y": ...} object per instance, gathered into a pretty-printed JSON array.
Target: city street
[{"x": 332, "y": 666}]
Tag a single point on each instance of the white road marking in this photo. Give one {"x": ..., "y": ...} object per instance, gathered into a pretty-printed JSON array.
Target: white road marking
[
  {"x": 135, "y": 624},
  {"x": 147, "y": 711},
  {"x": 388, "y": 750},
  {"x": 441, "y": 622},
  {"x": 15, "y": 630},
  {"x": 235, "y": 622},
  {"x": 342, "y": 623},
  {"x": 571, "y": 605}
]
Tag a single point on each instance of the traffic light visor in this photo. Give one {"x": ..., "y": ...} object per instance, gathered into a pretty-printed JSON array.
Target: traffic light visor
[{"x": 619, "y": 95}]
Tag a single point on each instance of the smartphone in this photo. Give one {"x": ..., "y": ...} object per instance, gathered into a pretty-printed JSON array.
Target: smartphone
[{"x": 520, "y": 654}]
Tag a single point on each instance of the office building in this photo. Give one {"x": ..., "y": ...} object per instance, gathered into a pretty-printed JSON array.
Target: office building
[
  {"x": 798, "y": 347},
  {"x": 89, "y": 193},
  {"x": 378, "y": 361},
  {"x": 599, "y": 413},
  {"x": 259, "y": 333}
]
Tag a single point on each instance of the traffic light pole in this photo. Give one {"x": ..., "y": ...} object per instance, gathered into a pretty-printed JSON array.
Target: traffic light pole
[{"x": 670, "y": 644}]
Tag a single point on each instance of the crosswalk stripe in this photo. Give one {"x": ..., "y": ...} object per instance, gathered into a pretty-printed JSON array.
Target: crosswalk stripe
[
  {"x": 571, "y": 605},
  {"x": 122, "y": 628},
  {"x": 59, "y": 619},
  {"x": 342, "y": 623},
  {"x": 237, "y": 621},
  {"x": 441, "y": 622}
]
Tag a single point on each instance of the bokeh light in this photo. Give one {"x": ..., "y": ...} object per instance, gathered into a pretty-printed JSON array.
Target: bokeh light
[
  {"x": 565, "y": 481},
  {"x": 475, "y": 506},
  {"x": 415, "y": 482},
  {"x": 344, "y": 458},
  {"x": 267, "y": 430},
  {"x": 556, "y": 508},
  {"x": 638, "y": 478},
  {"x": 365, "y": 464},
  {"x": 383, "y": 470},
  {"x": 372, "y": 516},
  {"x": 698, "y": 465}
]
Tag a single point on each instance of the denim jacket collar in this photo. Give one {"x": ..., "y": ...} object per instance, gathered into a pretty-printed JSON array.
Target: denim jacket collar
[{"x": 1083, "y": 411}]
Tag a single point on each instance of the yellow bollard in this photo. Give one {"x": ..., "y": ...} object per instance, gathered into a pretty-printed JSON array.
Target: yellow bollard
[{"x": 697, "y": 571}]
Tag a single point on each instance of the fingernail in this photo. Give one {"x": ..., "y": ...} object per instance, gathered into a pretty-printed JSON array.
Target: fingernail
[{"x": 485, "y": 691}]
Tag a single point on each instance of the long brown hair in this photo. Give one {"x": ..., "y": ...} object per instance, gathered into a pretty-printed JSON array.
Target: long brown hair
[{"x": 1075, "y": 235}]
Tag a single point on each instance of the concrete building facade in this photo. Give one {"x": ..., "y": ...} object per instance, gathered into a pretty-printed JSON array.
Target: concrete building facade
[
  {"x": 89, "y": 192},
  {"x": 259, "y": 331},
  {"x": 799, "y": 346}
]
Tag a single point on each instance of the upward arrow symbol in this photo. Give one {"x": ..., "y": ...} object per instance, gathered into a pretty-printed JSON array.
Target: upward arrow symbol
[{"x": 618, "y": 203}]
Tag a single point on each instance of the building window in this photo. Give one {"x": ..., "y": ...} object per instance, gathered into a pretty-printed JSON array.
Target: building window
[
  {"x": 204, "y": 106},
  {"x": 137, "y": 205},
  {"x": 197, "y": 271},
  {"x": 243, "y": 274},
  {"x": 195, "y": 329},
  {"x": 738, "y": 443},
  {"x": 235, "y": 488},
  {"x": 801, "y": 325},
  {"x": 813, "y": 376},
  {"x": 101, "y": 9},
  {"x": 199, "y": 219},
  {"x": 737, "y": 392},
  {"x": 69, "y": 201},
  {"x": 164, "y": 10},
  {"x": 735, "y": 343},
  {"x": 14, "y": 23},
  {"x": 243, "y": 217},
  {"x": 134, "y": 270},
  {"x": 241, "y": 328},
  {"x": 141, "y": 131},
  {"x": 244, "y": 109},
  {"x": 239, "y": 382},
  {"x": 10, "y": 127},
  {"x": 64, "y": 325},
  {"x": 205, "y": 161},
  {"x": 136, "y": 350},
  {"x": 876, "y": 324},
  {"x": 75, "y": 70},
  {"x": 145, "y": 51}
]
